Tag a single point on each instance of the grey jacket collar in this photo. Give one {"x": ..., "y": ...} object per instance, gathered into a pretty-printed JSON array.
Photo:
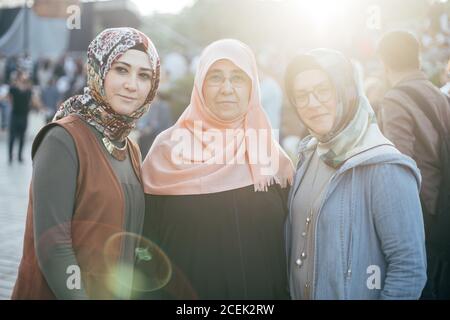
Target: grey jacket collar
[
  {"x": 378, "y": 155},
  {"x": 383, "y": 154}
]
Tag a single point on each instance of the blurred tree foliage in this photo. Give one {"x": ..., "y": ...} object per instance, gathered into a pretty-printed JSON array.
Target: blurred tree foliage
[
  {"x": 280, "y": 28},
  {"x": 254, "y": 22},
  {"x": 208, "y": 20},
  {"x": 262, "y": 23}
]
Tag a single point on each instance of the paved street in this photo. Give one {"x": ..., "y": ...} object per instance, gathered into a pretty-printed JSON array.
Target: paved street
[{"x": 14, "y": 184}]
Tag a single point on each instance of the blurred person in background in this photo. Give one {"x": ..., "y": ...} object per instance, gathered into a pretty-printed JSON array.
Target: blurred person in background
[
  {"x": 44, "y": 72},
  {"x": 2, "y": 68},
  {"x": 4, "y": 106},
  {"x": 415, "y": 116},
  {"x": 20, "y": 93},
  {"x": 158, "y": 119},
  {"x": 11, "y": 67},
  {"x": 50, "y": 98},
  {"x": 271, "y": 98},
  {"x": 375, "y": 87}
]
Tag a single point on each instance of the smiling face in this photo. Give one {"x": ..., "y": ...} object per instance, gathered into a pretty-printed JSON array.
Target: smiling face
[
  {"x": 128, "y": 82},
  {"x": 227, "y": 90},
  {"x": 315, "y": 100}
]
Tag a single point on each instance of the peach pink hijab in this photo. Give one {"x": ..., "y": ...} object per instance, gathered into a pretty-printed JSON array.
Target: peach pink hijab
[{"x": 199, "y": 162}]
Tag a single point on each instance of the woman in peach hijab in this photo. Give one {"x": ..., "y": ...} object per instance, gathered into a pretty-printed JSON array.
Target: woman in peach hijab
[{"x": 216, "y": 184}]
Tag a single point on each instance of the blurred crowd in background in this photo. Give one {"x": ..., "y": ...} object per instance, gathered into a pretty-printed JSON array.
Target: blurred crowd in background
[{"x": 48, "y": 81}]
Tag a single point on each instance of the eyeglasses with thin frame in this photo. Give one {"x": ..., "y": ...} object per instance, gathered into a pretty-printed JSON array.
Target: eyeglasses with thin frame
[
  {"x": 322, "y": 92},
  {"x": 217, "y": 80}
]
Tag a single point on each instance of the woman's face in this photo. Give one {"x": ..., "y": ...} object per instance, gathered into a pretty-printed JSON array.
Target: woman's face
[
  {"x": 128, "y": 82},
  {"x": 227, "y": 90},
  {"x": 315, "y": 100}
]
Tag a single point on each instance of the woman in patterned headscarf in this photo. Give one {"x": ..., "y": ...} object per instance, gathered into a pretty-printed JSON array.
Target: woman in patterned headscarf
[
  {"x": 355, "y": 228},
  {"x": 86, "y": 194}
]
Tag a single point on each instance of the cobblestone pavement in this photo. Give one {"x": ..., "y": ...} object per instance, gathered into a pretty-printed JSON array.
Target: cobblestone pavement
[{"x": 14, "y": 186}]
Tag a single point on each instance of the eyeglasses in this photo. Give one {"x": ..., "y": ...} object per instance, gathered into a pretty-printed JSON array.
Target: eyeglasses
[
  {"x": 322, "y": 93},
  {"x": 217, "y": 80}
]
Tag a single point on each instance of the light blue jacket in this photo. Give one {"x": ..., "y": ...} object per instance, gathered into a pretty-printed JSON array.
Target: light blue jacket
[{"x": 369, "y": 227}]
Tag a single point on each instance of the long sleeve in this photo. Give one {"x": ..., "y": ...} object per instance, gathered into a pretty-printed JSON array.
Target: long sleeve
[
  {"x": 55, "y": 169},
  {"x": 397, "y": 125},
  {"x": 398, "y": 221}
]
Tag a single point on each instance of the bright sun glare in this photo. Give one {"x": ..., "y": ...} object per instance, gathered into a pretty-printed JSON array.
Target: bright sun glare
[{"x": 161, "y": 6}]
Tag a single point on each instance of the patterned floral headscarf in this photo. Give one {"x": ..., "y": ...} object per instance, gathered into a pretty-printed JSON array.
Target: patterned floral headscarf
[{"x": 92, "y": 106}]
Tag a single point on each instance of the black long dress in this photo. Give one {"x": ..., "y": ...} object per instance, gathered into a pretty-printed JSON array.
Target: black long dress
[{"x": 226, "y": 245}]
